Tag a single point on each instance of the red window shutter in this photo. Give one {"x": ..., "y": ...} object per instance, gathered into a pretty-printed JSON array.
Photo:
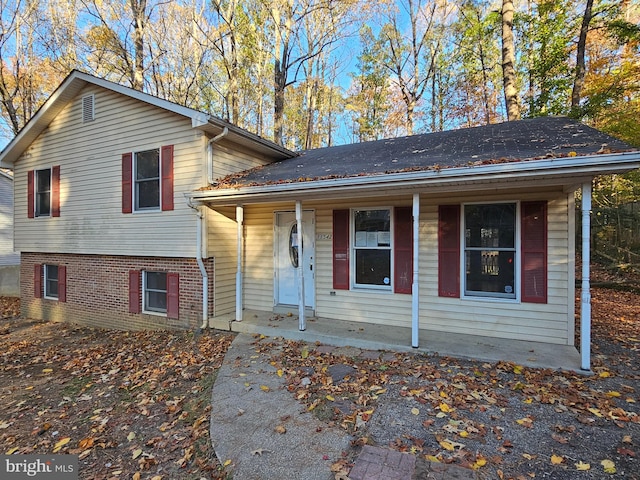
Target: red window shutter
[
  {"x": 134, "y": 291},
  {"x": 167, "y": 177},
  {"x": 127, "y": 182},
  {"x": 534, "y": 252},
  {"x": 31, "y": 209},
  {"x": 37, "y": 281},
  {"x": 62, "y": 283},
  {"x": 173, "y": 295},
  {"x": 449, "y": 251},
  {"x": 403, "y": 249},
  {"x": 341, "y": 249},
  {"x": 55, "y": 191}
]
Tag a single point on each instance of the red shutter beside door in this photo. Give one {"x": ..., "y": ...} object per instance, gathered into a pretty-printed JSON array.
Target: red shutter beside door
[
  {"x": 341, "y": 249},
  {"x": 30, "y": 194},
  {"x": 62, "y": 283},
  {"x": 37, "y": 281},
  {"x": 403, "y": 249},
  {"x": 127, "y": 182},
  {"x": 449, "y": 251},
  {"x": 55, "y": 191},
  {"x": 534, "y": 252},
  {"x": 134, "y": 291},
  {"x": 167, "y": 177},
  {"x": 173, "y": 295}
]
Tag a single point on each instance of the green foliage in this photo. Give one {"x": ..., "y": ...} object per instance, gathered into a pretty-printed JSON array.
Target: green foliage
[{"x": 546, "y": 32}]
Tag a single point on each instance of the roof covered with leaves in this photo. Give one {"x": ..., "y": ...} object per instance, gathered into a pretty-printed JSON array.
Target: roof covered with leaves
[{"x": 524, "y": 140}]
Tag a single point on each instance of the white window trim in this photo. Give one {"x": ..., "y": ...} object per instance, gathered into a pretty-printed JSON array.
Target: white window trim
[
  {"x": 134, "y": 168},
  {"x": 352, "y": 254},
  {"x": 489, "y": 297},
  {"x": 45, "y": 276},
  {"x": 145, "y": 310}
]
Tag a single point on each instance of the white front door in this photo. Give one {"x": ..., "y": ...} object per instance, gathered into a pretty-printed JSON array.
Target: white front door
[{"x": 287, "y": 259}]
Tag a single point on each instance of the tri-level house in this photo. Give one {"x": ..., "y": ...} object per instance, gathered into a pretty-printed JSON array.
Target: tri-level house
[{"x": 134, "y": 212}]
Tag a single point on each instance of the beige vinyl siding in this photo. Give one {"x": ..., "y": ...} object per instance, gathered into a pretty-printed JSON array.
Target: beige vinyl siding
[
  {"x": 492, "y": 317},
  {"x": 89, "y": 155},
  {"x": 258, "y": 256},
  {"x": 228, "y": 160},
  {"x": 222, "y": 245},
  {"x": 363, "y": 305},
  {"x": 551, "y": 322}
]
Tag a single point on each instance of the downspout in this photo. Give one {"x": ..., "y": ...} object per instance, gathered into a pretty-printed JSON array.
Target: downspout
[
  {"x": 585, "y": 306},
  {"x": 415, "y": 295},
  {"x": 210, "y": 143},
  {"x": 203, "y": 271}
]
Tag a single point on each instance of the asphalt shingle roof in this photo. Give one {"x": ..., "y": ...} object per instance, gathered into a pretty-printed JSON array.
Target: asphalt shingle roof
[{"x": 537, "y": 138}]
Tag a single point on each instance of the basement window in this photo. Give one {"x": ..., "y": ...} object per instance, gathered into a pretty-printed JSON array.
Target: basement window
[
  {"x": 155, "y": 292},
  {"x": 51, "y": 282}
]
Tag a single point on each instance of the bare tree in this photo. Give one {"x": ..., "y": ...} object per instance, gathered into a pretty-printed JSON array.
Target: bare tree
[{"x": 411, "y": 57}]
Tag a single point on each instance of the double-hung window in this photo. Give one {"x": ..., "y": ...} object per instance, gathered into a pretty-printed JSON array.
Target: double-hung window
[
  {"x": 51, "y": 282},
  {"x": 147, "y": 180},
  {"x": 372, "y": 248},
  {"x": 43, "y": 192},
  {"x": 155, "y": 292},
  {"x": 490, "y": 250},
  {"x": 502, "y": 248}
]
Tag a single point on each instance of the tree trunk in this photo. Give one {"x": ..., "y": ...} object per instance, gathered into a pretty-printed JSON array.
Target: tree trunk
[
  {"x": 279, "y": 82},
  {"x": 138, "y": 8},
  {"x": 578, "y": 82},
  {"x": 508, "y": 62}
]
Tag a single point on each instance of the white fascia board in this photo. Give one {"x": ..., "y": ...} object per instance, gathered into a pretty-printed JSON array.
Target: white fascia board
[{"x": 589, "y": 166}]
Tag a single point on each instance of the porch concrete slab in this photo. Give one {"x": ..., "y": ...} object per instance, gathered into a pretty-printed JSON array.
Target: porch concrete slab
[{"x": 370, "y": 336}]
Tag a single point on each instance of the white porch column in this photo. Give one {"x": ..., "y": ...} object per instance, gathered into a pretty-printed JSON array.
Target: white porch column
[
  {"x": 240, "y": 235},
  {"x": 585, "y": 305},
  {"x": 302, "y": 324},
  {"x": 415, "y": 294}
]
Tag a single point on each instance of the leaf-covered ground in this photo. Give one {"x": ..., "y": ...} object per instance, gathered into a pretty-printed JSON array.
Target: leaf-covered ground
[
  {"x": 132, "y": 405},
  {"x": 504, "y": 420},
  {"x": 136, "y": 405}
]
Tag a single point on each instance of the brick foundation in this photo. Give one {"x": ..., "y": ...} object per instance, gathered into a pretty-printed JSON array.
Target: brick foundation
[{"x": 98, "y": 291}]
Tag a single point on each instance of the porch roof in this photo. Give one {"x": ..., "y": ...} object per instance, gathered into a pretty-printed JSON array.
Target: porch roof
[{"x": 542, "y": 151}]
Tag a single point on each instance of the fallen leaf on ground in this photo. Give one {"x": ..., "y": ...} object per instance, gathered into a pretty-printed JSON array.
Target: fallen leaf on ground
[{"x": 609, "y": 466}]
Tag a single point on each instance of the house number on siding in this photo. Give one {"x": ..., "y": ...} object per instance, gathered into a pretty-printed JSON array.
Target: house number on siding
[{"x": 324, "y": 236}]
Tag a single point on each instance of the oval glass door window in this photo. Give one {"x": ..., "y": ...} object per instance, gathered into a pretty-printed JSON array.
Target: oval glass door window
[{"x": 293, "y": 245}]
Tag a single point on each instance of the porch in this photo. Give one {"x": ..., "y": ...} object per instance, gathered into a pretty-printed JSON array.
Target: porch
[{"x": 380, "y": 337}]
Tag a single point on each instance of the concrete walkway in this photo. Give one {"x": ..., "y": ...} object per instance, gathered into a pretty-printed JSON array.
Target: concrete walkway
[{"x": 259, "y": 427}]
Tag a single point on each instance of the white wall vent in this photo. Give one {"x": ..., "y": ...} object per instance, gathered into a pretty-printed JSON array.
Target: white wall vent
[{"x": 88, "y": 110}]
